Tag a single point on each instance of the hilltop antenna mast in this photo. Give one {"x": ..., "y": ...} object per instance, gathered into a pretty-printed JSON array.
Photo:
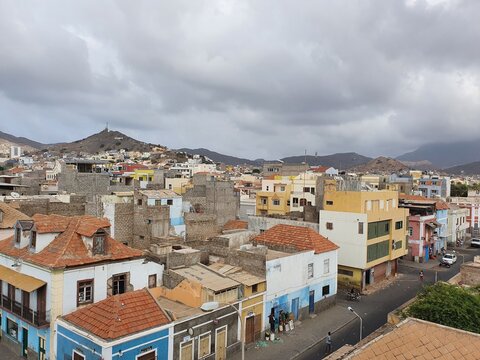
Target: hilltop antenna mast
[{"x": 106, "y": 127}]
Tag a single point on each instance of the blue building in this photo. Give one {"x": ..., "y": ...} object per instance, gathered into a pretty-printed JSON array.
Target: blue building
[
  {"x": 175, "y": 203},
  {"x": 129, "y": 326},
  {"x": 441, "y": 214}
]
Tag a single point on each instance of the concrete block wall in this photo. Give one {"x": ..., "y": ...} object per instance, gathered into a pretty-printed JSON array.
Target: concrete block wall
[{"x": 262, "y": 223}]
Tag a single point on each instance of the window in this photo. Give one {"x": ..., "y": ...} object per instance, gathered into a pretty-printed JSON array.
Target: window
[
  {"x": 254, "y": 288},
  {"x": 326, "y": 290},
  {"x": 326, "y": 266},
  {"x": 12, "y": 328},
  {"x": 99, "y": 243},
  {"x": 377, "y": 251},
  {"x": 303, "y": 202},
  {"x": 158, "y": 202},
  {"x": 119, "y": 284},
  {"x": 276, "y": 202},
  {"x": 282, "y": 188},
  {"x": 204, "y": 345},
  {"x": 152, "y": 281},
  {"x": 288, "y": 202},
  {"x": 169, "y": 202},
  {"x": 306, "y": 189},
  {"x": 17, "y": 234},
  {"x": 329, "y": 202},
  {"x": 77, "y": 356},
  {"x": 360, "y": 227},
  {"x": 398, "y": 225},
  {"x": 310, "y": 270},
  {"x": 264, "y": 201},
  {"x": 267, "y": 188},
  {"x": 410, "y": 231},
  {"x": 345, "y": 272},
  {"x": 33, "y": 239},
  {"x": 84, "y": 292},
  {"x": 312, "y": 191},
  {"x": 398, "y": 244},
  {"x": 329, "y": 226},
  {"x": 378, "y": 229},
  {"x": 186, "y": 350},
  {"x": 139, "y": 202}
]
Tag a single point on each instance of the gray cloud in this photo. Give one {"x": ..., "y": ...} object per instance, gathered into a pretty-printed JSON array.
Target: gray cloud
[{"x": 247, "y": 78}]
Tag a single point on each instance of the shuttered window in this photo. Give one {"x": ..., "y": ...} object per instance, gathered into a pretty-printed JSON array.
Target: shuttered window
[
  {"x": 377, "y": 251},
  {"x": 204, "y": 345},
  {"x": 378, "y": 229}
]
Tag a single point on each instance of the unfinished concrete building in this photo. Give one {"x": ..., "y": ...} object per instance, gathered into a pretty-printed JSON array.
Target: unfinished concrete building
[{"x": 212, "y": 202}]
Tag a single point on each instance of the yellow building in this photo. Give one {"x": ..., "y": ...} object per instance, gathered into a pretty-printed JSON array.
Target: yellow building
[
  {"x": 143, "y": 175},
  {"x": 274, "y": 199},
  {"x": 178, "y": 185},
  {"x": 371, "y": 231}
]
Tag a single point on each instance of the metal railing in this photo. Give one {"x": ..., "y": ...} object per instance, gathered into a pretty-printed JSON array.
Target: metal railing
[{"x": 38, "y": 318}]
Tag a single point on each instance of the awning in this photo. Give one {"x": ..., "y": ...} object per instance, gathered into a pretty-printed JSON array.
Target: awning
[
  {"x": 21, "y": 281},
  {"x": 434, "y": 224}
]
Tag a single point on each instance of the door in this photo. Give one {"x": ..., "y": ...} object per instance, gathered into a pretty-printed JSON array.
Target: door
[
  {"x": 311, "y": 302},
  {"x": 152, "y": 355},
  {"x": 367, "y": 277},
  {"x": 186, "y": 350},
  {"x": 295, "y": 303},
  {"x": 42, "y": 303},
  {"x": 25, "y": 342},
  {"x": 41, "y": 349},
  {"x": 221, "y": 344},
  {"x": 250, "y": 330}
]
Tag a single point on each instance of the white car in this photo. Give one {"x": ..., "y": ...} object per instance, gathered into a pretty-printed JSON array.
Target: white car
[
  {"x": 449, "y": 259},
  {"x": 475, "y": 243}
]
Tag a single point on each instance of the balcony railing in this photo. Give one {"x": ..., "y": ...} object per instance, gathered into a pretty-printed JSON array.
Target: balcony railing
[{"x": 38, "y": 318}]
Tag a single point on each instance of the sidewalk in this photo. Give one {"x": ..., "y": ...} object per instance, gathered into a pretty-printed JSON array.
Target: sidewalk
[
  {"x": 306, "y": 334},
  {"x": 420, "y": 266}
]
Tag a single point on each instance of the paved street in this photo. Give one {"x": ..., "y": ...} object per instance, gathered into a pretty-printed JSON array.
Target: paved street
[{"x": 375, "y": 308}]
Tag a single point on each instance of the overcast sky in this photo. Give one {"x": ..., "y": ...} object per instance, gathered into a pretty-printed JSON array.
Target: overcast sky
[{"x": 246, "y": 78}]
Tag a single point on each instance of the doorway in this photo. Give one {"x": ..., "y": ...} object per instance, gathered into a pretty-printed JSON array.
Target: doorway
[
  {"x": 250, "y": 329},
  {"x": 311, "y": 302},
  {"x": 25, "y": 342},
  {"x": 221, "y": 343},
  {"x": 295, "y": 303}
]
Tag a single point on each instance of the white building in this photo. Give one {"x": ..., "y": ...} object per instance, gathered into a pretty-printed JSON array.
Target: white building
[
  {"x": 53, "y": 265},
  {"x": 15, "y": 152}
]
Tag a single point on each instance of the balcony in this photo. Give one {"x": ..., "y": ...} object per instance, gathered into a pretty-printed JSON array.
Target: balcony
[{"x": 33, "y": 317}]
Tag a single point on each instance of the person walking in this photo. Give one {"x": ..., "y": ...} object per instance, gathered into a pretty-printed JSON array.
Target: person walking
[
  {"x": 271, "y": 320},
  {"x": 328, "y": 343},
  {"x": 421, "y": 275}
]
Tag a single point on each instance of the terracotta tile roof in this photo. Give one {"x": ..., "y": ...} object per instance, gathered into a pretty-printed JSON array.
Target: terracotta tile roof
[
  {"x": 10, "y": 216},
  {"x": 441, "y": 205},
  {"x": 68, "y": 248},
  {"x": 235, "y": 225},
  {"x": 296, "y": 237},
  {"x": 418, "y": 339},
  {"x": 412, "y": 197},
  {"x": 320, "y": 169},
  {"x": 120, "y": 315}
]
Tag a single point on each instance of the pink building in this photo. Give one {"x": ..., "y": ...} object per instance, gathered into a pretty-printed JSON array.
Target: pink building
[{"x": 422, "y": 237}]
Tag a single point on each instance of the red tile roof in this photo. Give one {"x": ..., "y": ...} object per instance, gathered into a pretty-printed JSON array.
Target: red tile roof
[
  {"x": 120, "y": 315},
  {"x": 68, "y": 248},
  {"x": 296, "y": 237},
  {"x": 412, "y": 197},
  {"x": 235, "y": 225},
  {"x": 10, "y": 216},
  {"x": 320, "y": 169},
  {"x": 441, "y": 205}
]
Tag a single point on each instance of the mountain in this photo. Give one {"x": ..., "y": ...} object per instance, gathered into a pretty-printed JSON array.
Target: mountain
[
  {"x": 472, "y": 168},
  {"x": 220, "y": 158},
  {"x": 381, "y": 165},
  {"x": 105, "y": 140},
  {"x": 20, "y": 141},
  {"x": 339, "y": 161},
  {"x": 445, "y": 155}
]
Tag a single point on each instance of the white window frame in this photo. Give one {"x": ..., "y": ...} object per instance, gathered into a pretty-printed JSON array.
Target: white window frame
[
  {"x": 326, "y": 264},
  {"x": 192, "y": 340},
  {"x": 78, "y": 353},
  {"x": 209, "y": 344},
  {"x": 146, "y": 353},
  {"x": 310, "y": 271}
]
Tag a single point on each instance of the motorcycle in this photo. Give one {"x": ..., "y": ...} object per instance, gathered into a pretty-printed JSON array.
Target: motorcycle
[{"x": 355, "y": 296}]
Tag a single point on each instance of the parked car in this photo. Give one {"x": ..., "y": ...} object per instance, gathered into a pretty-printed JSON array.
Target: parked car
[
  {"x": 475, "y": 243},
  {"x": 449, "y": 259}
]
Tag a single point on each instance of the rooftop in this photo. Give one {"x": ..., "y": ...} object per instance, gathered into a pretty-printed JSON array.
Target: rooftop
[
  {"x": 120, "y": 315},
  {"x": 297, "y": 238},
  {"x": 206, "y": 277},
  {"x": 10, "y": 216},
  {"x": 419, "y": 339},
  {"x": 159, "y": 194},
  {"x": 68, "y": 249}
]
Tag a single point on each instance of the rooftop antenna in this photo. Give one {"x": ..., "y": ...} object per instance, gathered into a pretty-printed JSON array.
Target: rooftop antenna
[{"x": 106, "y": 127}]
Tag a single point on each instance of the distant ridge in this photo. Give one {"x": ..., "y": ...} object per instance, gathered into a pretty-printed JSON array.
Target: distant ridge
[
  {"x": 381, "y": 165},
  {"x": 445, "y": 155},
  {"x": 220, "y": 158},
  {"x": 21, "y": 141},
  {"x": 341, "y": 161},
  {"x": 105, "y": 140},
  {"x": 472, "y": 168}
]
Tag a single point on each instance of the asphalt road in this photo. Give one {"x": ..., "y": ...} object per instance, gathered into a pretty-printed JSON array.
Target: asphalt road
[{"x": 375, "y": 308}]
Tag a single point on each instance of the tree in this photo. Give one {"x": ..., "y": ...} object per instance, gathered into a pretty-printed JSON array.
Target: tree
[
  {"x": 448, "y": 305},
  {"x": 459, "y": 190}
]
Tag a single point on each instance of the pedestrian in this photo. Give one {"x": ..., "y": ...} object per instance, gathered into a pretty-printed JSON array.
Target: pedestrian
[
  {"x": 328, "y": 342},
  {"x": 421, "y": 275},
  {"x": 271, "y": 320}
]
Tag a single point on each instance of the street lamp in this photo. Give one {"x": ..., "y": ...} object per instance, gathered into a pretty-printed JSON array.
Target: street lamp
[
  {"x": 210, "y": 306},
  {"x": 361, "y": 321}
]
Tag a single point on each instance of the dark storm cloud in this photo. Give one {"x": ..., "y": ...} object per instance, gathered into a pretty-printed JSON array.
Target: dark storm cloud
[{"x": 251, "y": 78}]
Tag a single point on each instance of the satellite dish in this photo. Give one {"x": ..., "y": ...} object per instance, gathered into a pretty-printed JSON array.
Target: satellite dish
[
  {"x": 15, "y": 195},
  {"x": 209, "y": 306}
]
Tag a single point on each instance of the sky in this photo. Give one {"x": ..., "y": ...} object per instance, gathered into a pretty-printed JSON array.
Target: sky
[{"x": 255, "y": 79}]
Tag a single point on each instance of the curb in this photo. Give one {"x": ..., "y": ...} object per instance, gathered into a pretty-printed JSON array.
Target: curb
[{"x": 322, "y": 339}]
